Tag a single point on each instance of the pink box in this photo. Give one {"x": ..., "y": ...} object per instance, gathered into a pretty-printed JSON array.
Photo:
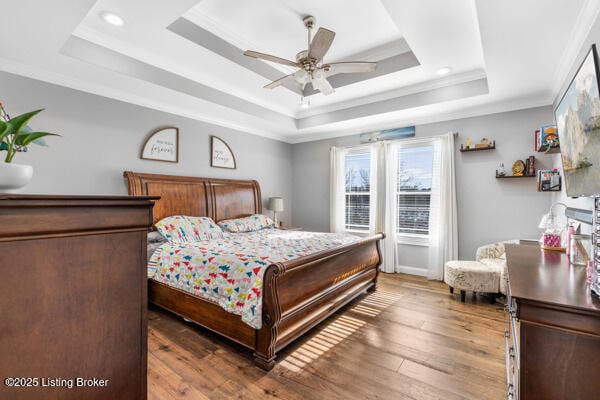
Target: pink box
[{"x": 551, "y": 240}]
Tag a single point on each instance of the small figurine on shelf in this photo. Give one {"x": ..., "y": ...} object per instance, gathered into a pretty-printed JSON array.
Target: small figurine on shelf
[
  {"x": 468, "y": 144},
  {"x": 484, "y": 144},
  {"x": 518, "y": 168},
  {"x": 501, "y": 171}
]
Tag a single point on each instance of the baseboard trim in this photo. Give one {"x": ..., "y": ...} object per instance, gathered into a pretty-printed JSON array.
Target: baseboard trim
[{"x": 405, "y": 269}]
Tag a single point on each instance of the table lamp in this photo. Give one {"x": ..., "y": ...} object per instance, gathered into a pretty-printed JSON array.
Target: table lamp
[
  {"x": 275, "y": 205},
  {"x": 553, "y": 229}
]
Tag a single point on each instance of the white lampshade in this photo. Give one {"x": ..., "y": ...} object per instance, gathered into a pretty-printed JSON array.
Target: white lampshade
[
  {"x": 275, "y": 204},
  {"x": 551, "y": 219},
  {"x": 545, "y": 221}
]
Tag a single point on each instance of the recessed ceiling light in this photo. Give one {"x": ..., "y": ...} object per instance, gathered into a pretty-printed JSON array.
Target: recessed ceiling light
[
  {"x": 444, "y": 70},
  {"x": 112, "y": 18}
]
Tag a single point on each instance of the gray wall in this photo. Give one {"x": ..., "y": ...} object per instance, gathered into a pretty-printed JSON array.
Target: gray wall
[
  {"x": 101, "y": 138},
  {"x": 489, "y": 209}
]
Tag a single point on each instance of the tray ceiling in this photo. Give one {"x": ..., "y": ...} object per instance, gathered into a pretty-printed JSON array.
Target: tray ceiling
[{"x": 185, "y": 57}]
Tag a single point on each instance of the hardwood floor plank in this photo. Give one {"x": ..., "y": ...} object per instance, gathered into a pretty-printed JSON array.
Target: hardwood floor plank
[
  {"x": 410, "y": 339},
  {"x": 176, "y": 387}
]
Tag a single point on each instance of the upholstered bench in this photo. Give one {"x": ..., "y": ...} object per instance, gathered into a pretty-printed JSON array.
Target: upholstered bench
[{"x": 472, "y": 275}]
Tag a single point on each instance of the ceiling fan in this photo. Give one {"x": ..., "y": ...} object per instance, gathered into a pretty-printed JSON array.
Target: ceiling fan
[{"x": 311, "y": 64}]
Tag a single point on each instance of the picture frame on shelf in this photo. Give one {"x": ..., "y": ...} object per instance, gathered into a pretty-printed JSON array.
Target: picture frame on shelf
[{"x": 549, "y": 180}]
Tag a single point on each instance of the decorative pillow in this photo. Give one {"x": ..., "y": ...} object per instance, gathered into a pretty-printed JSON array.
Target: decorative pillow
[
  {"x": 252, "y": 223},
  {"x": 184, "y": 229},
  {"x": 176, "y": 229},
  {"x": 205, "y": 228}
]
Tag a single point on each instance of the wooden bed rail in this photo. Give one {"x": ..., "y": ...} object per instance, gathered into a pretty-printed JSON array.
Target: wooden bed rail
[{"x": 301, "y": 293}]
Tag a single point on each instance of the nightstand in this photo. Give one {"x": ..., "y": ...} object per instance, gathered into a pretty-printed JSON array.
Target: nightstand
[{"x": 290, "y": 228}]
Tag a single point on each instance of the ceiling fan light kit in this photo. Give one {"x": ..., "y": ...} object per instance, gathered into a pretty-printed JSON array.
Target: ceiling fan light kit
[
  {"x": 310, "y": 62},
  {"x": 304, "y": 102}
]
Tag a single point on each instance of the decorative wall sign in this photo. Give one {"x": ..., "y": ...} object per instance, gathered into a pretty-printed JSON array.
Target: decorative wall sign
[
  {"x": 162, "y": 145},
  {"x": 221, "y": 154}
]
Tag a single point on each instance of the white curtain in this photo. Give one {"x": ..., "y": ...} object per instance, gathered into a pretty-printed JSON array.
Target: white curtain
[
  {"x": 443, "y": 233},
  {"x": 375, "y": 188},
  {"x": 337, "y": 201},
  {"x": 389, "y": 216}
]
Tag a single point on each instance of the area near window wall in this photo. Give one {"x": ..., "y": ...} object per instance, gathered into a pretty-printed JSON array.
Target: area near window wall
[{"x": 487, "y": 210}]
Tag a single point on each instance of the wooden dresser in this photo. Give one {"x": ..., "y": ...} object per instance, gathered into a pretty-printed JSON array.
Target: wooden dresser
[
  {"x": 553, "y": 344},
  {"x": 73, "y": 297}
]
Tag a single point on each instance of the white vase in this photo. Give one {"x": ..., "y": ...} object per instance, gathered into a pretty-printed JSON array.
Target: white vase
[{"x": 14, "y": 176}]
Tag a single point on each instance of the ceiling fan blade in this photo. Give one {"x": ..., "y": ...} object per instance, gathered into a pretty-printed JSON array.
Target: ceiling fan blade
[
  {"x": 269, "y": 57},
  {"x": 279, "y": 81},
  {"x": 321, "y": 43},
  {"x": 349, "y": 67},
  {"x": 320, "y": 83}
]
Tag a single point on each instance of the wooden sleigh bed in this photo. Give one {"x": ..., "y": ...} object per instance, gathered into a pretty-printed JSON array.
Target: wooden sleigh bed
[{"x": 297, "y": 294}]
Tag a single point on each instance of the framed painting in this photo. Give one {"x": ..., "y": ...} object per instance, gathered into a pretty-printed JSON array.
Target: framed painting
[
  {"x": 388, "y": 134},
  {"x": 162, "y": 145},
  {"x": 578, "y": 121},
  {"x": 221, "y": 154}
]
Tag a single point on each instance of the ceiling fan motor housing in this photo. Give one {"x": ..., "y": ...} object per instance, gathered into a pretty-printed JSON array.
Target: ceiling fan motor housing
[
  {"x": 310, "y": 61},
  {"x": 301, "y": 56}
]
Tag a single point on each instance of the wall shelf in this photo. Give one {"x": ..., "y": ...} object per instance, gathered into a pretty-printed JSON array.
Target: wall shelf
[
  {"x": 491, "y": 146},
  {"x": 512, "y": 176}
]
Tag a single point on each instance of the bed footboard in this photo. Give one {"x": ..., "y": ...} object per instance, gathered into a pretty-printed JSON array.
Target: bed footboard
[{"x": 299, "y": 294}]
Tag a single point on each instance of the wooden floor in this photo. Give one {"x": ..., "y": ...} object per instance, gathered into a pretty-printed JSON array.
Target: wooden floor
[{"x": 410, "y": 339}]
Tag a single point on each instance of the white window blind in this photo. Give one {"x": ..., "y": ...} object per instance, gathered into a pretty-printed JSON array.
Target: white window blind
[
  {"x": 359, "y": 189},
  {"x": 413, "y": 189}
]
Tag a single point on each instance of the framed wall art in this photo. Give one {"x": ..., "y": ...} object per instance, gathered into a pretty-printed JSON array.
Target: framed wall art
[
  {"x": 221, "y": 154},
  {"x": 162, "y": 145},
  {"x": 578, "y": 120},
  {"x": 388, "y": 134}
]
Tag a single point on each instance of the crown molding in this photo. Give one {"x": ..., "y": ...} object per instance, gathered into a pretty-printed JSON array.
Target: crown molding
[
  {"x": 70, "y": 82},
  {"x": 125, "y": 49},
  {"x": 204, "y": 21},
  {"x": 36, "y": 73},
  {"x": 454, "y": 79},
  {"x": 463, "y": 112}
]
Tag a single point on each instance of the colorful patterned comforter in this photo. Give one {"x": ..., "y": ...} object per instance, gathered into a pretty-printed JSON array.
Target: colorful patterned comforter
[{"x": 230, "y": 271}]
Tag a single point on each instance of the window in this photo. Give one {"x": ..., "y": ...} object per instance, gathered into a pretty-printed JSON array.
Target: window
[
  {"x": 359, "y": 199},
  {"x": 413, "y": 190}
]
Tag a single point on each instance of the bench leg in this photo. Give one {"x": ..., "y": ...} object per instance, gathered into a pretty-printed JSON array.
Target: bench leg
[
  {"x": 462, "y": 296},
  {"x": 451, "y": 290}
]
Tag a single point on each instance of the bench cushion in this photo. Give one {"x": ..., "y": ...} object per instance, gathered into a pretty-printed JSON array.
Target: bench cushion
[{"x": 472, "y": 275}]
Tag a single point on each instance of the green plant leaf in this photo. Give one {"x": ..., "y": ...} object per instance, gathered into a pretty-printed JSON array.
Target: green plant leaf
[
  {"x": 17, "y": 123},
  {"x": 4, "y": 130},
  {"x": 40, "y": 142},
  {"x": 23, "y": 139}
]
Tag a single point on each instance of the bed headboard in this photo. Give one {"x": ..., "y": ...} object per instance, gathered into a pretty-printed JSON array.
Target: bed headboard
[{"x": 202, "y": 197}]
